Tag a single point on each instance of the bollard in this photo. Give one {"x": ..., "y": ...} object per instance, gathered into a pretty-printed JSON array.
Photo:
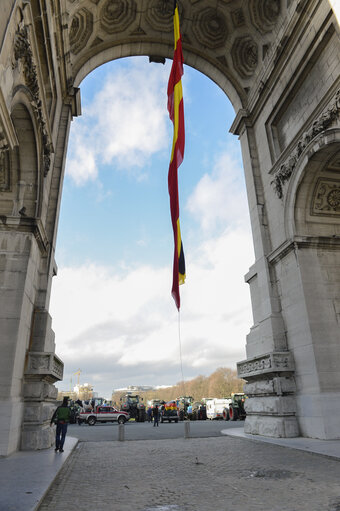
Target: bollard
[
  {"x": 186, "y": 429},
  {"x": 121, "y": 433}
]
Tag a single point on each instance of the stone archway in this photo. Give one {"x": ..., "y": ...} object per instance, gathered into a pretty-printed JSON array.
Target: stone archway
[{"x": 278, "y": 62}]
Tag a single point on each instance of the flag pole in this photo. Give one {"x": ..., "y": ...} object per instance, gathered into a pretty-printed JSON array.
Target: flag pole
[{"x": 180, "y": 349}]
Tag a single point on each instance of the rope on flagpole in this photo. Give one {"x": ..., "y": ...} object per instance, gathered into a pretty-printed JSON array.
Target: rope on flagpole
[{"x": 180, "y": 349}]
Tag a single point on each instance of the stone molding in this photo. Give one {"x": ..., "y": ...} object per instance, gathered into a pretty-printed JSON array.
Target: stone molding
[
  {"x": 274, "y": 362},
  {"x": 44, "y": 364},
  {"x": 324, "y": 121},
  {"x": 299, "y": 242},
  {"x": 23, "y": 53},
  {"x": 4, "y": 169},
  {"x": 8, "y": 140}
]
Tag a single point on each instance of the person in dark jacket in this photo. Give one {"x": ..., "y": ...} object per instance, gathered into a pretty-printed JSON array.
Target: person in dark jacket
[
  {"x": 61, "y": 418},
  {"x": 155, "y": 415}
]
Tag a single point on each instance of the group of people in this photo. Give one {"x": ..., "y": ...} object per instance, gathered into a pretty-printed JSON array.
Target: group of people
[
  {"x": 153, "y": 415},
  {"x": 62, "y": 416}
]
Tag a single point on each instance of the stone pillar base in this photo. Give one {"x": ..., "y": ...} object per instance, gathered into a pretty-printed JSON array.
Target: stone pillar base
[
  {"x": 271, "y": 403},
  {"x": 40, "y": 394},
  {"x": 39, "y": 436},
  {"x": 276, "y": 427}
]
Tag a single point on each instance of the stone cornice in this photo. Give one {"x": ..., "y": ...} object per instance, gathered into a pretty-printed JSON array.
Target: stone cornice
[
  {"x": 241, "y": 121},
  {"x": 28, "y": 225},
  {"x": 299, "y": 242},
  {"x": 44, "y": 364},
  {"x": 274, "y": 362}
]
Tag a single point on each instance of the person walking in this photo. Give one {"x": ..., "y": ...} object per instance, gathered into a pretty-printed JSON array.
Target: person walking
[
  {"x": 61, "y": 418},
  {"x": 149, "y": 414},
  {"x": 155, "y": 415}
]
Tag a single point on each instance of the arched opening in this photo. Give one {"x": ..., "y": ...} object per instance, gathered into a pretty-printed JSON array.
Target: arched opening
[
  {"x": 312, "y": 216},
  {"x": 125, "y": 331}
]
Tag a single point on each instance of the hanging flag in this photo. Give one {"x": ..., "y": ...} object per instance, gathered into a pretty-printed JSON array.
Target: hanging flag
[{"x": 176, "y": 113}]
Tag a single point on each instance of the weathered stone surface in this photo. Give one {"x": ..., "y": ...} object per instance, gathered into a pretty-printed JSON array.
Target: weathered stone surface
[
  {"x": 279, "y": 427},
  {"x": 279, "y": 64}
]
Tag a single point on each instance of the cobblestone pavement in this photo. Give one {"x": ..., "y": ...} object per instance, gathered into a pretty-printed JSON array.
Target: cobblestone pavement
[{"x": 218, "y": 474}]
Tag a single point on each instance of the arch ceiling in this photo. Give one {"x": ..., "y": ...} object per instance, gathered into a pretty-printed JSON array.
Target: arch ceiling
[{"x": 228, "y": 40}]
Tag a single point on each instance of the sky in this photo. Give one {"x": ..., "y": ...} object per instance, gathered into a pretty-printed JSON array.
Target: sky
[{"x": 112, "y": 311}]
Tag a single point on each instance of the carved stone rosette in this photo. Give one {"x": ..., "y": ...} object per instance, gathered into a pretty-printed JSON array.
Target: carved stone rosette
[
  {"x": 159, "y": 15},
  {"x": 270, "y": 387},
  {"x": 264, "y": 14},
  {"x": 210, "y": 28},
  {"x": 81, "y": 29},
  {"x": 245, "y": 56},
  {"x": 326, "y": 198},
  {"x": 23, "y": 53},
  {"x": 324, "y": 121},
  {"x": 117, "y": 15}
]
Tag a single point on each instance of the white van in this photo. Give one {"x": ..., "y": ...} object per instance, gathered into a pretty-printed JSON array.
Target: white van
[{"x": 216, "y": 406}]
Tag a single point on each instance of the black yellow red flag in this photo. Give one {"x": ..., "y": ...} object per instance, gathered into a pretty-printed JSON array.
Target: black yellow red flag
[{"x": 176, "y": 113}]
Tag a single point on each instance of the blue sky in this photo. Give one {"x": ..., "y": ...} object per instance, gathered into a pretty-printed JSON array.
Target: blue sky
[{"x": 111, "y": 304}]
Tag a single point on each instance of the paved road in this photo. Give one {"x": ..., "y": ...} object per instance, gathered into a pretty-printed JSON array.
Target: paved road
[
  {"x": 146, "y": 431},
  {"x": 197, "y": 474}
]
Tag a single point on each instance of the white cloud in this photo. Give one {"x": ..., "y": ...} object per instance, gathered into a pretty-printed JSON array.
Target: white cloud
[
  {"x": 126, "y": 123},
  {"x": 124, "y": 325},
  {"x": 219, "y": 198}
]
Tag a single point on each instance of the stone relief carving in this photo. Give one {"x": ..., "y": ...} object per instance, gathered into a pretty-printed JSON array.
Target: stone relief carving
[
  {"x": 210, "y": 28},
  {"x": 255, "y": 366},
  {"x": 23, "y": 53},
  {"x": 326, "y": 198},
  {"x": 272, "y": 362},
  {"x": 42, "y": 363},
  {"x": 324, "y": 121},
  {"x": 81, "y": 29},
  {"x": 117, "y": 15},
  {"x": 244, "y": 53},
  {"x": 39, "y": 362},
  {"x": 280, "y": 361},
  {"x": 57, "y": 368}
]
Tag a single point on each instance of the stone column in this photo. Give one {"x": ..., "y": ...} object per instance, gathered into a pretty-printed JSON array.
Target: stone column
[
  {"x": 43, "y": 368},
  {"x": 19, "y": 256},
  {"x": 269, "y": 368}
]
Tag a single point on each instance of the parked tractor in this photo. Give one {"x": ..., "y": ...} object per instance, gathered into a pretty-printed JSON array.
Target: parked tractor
[
  {"x": 236, "y": 407},
  {"x": 134, "y": 406}
]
